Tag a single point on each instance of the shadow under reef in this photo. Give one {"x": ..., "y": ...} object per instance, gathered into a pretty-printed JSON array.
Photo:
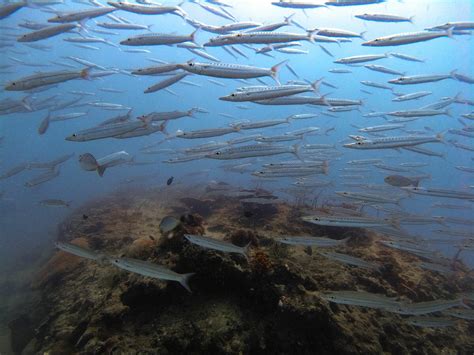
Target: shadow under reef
[{"x": 269, "y": 304}]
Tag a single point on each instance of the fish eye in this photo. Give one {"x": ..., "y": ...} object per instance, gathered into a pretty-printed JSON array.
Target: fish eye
[
  {"x": 74, "y": 135},
  {"x": 191, "y": 64},
  {"x": 232, "y": 95},
  {"x": 239, "y": 34},
  {"x": 13, "y": 84},
  {"x": 218, "y": 153},
  {"x": 359, "y": 143}
]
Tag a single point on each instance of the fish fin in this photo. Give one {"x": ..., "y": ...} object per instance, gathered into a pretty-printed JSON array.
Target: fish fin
[
  {"x": 185, "y": 281},
  {"x": 101, "y": 170},
  {"x": 275, "y": 69}
]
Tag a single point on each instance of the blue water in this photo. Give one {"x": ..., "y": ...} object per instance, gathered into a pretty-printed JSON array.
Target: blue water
[{"x": 26, "y": 225}]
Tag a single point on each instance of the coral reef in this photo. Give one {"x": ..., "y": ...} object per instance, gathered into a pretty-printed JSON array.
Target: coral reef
[{"x": 268, "y": 305}]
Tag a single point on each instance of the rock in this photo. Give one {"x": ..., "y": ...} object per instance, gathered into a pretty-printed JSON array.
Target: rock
[{"x": 21, "y": 332}]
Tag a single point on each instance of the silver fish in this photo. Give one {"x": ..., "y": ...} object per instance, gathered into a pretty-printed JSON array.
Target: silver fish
[
  {"x": 215, "y": 244},
  {"x": 149, "y": 269}
]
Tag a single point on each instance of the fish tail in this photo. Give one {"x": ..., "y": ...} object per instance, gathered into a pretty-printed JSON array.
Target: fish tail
[
  {"x": 325, "y": 167},
  {"x": 245, "y": 251},
  {"x": 288, "y": 19},
  {"x": 362, "y": 35},
  {"x": 193, "y": 35},
  {"x": 410, "y": 19},
  {"x": 447, "y": 112},
  {"x": 463, "y": 303},
  {"x": 25, "y": 103},
  {"x": 449, "y": 32},
  {"x": 185, "y": 281},
  {"x": 453, "y": 73},
  {"x": 163, "y": 128},
  {"x": 148, "y": 27},
  {"x": 85, "y": 73},
  {"x": 316, "y": 84},
  {"x": 275, "y": 69},
  {"x": 296, "y": 151},
  {"x": 101, "y": 170}
]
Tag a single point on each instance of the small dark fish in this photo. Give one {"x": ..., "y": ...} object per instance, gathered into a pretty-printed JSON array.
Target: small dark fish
[
  {"x": 248, "y": 214},
  {"x": 84, "y": 216},
  {"x": 169, "y": 181}
]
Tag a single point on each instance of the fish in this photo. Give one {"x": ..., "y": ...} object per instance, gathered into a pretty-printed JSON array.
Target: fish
[
  {"x": 361, "y": 298},
  {"x": 149, "y": 9},
  {"x": 320, "y": 242},
  {"x": 45, "y": 177},
  {"x": 250, "y": 151},
  {"x": 467, "y": 314},
  {"x": 168, "y": 224},
  {"x": 384, "y": 18},
  {"x": 7, "y": 9},
  {"x": 206, "y": 133},
  {"x": 46, "y": 78},
  {"x": 421, "y": 308},
  {"x": 154, "y": 39},
  {"x": 47, "y": 32},
  {"x": 14, "y": 171},
  {"x": 360, "y": 58},
  {"x": 77, "y": 16},
  {"x": 412, "y": 96},
  {"x": 215, "y": 244},
  {"x": 261, "y": 37},
  {"x": 368, "y": 197},
  {"x": 297, "y": 4},
  {"x": 394, "y": 142},
  {"x": 455, "y": 194},
  {"x": 420, "y": 79},
  {"x": 408, "y": 38},
  {"x": 406, "y": 57},
  {"x": 165, "y": 83},
  {"x": 350, "y": 260},
  {"x": 156, "y": 69},
  {"x": 105, "y": 131},
  {"x": 343, "y": 221},
  {"x": 169, "y": 181},
  {"x": 401, "y": 181},
  {"x": 259, "y": 93},
  {"x": 54, "y": 203},
  {"x": 227, "y": 70},
  {"x": 382, "y": 69},
  {"x": 152, "y": 270},
  {"x": 89, "y": 163},
  {"x": 80, "y": 251}
]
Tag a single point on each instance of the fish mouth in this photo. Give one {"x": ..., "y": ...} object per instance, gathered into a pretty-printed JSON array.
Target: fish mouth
[
  {"x": 225, "y": 98},
  {"x": 369, "y": 43}
]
